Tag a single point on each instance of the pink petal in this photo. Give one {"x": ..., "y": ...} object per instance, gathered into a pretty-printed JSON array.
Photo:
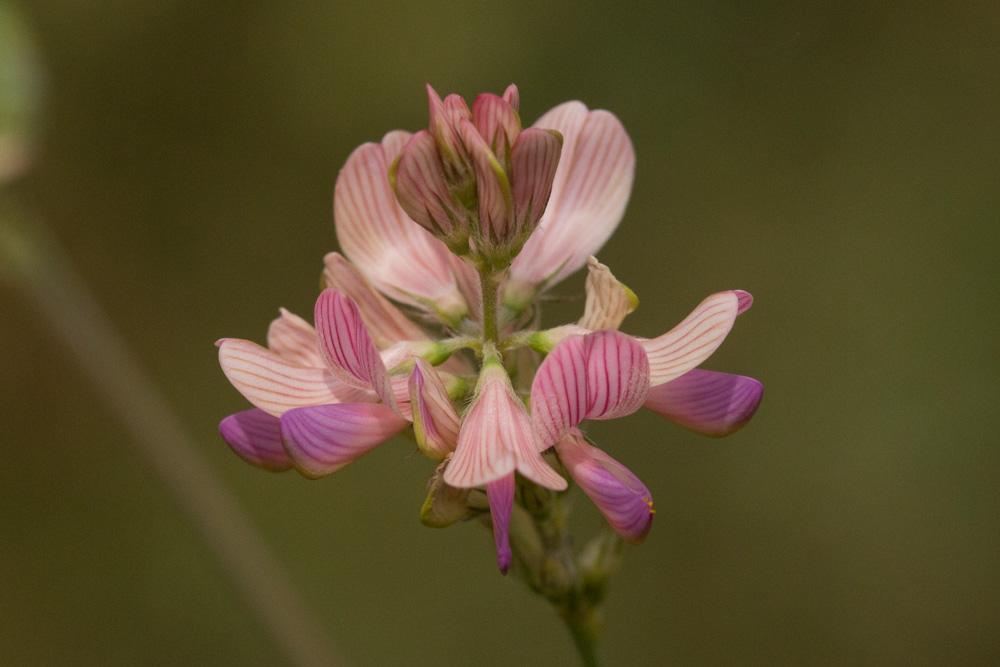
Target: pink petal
[
  {"x": 496, "y": 438},
  {"x": 619, "y": 495},
  {"x": 497, "y": 123},
  {"x": 745, "y": 298},
  {"x": 292, "y": 338},
  {"x": 325, "y": 438},
  {"x": 347, "y": 347},
  {"x": 501, "y": 497},
  {"x": 512, "y": 97},
  {"x": 711, "y": 403},
  {"x": 591, "y": 188},
  {"x": 534, "y": 160},
  {"x": 603, "y": 375},
  {"x": 422, "y": 191},
  {"x": 608, "y": 300},
  {"x": 492, "y": 189},
  {"x": 384, "y": 321},
  {"x": 693, "y": 340},
  {"x": 444, "y": 118},
  {"x": 255, "y": 437},
  {"x": 435, "y": 422},
  {"x": 274, "y": 384},
  {"x": 398, "y": 257}
]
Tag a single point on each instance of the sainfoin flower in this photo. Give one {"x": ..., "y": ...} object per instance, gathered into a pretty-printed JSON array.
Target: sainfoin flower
[{"x": 449, "y": 236}]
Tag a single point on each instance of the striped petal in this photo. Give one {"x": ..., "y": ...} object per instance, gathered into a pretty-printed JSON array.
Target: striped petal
[
  {"x": 534, "y": 160},
  {"x": 435, "y": 422},
  {"x": 384, "y": 321},
  {"x": 347, "y": 347},
  {"x": 501, "y": 498},
  {"x": 294, "y": 339},
  {"x": 492, "y": 190},
  {"x": 608, "y": 300},
  {"x": 589, "y": 193},
  {"x": 496, "y": 438},
  {"x": 708, "y": 402},
  {"x": 255, "y": 437},
  {"x": 603, "y": 375},
  {"x": 275, "y": 385},
  {"x": 619, "y": 495},
  {"x": 693, "y": 340},
  {"x": 399, "y": 258},
  {"x": 323, "y": 439},
  {"x": 498, "y": 123}
]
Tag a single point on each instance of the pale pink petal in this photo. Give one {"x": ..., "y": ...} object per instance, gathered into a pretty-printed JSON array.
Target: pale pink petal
[
  {"x": 534, "y": 159},
  {"x": 501, "y": 497},
  {"x": 708, "y": 402},
  {"x": 745, "y": 298},
  {"x": 422, "y": 191},
  {"x": 275, "y": 385},
  {"x": 496, "y": 438},
  {"x": 397, "y": 256},
  {"x": 608, "y": 300},
  {"x": 591, "y": 188},
  {"x": 444, "y": 118},
  {"x": 435, "y": 422},
  {"x": 619, "y": 495},
  {"x": 492, "y": 189},
  {"x": 255, "y": 437},
  {"x": 617, "y": 375},
  {"x": 323, "y": 439},
  {"x": 603, "y": 375},
  {"x": 347, "y": 347},
  {"x": 693, "y": 340},
  {"x": 497, "y": 123},
  {"x": 385, "y": 322},
  {"x": 294, "y": 339},
  {"x": 512, "y": 97}
]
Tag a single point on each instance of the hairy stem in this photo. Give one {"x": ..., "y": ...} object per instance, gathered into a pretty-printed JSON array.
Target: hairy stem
[{"x": 490, "y": 283}]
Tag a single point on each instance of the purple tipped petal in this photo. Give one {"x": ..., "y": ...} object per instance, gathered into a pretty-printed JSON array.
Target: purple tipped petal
[
  {"x": 693, "y": 340},
  {"x": 435, "y": 422},
  {"x": 501, "y": 497},
  {"x": 347, "y": 347},
  {"x": 386, "y": 323},
  {"x": 255, "y": 437},
  {"x": 534, "y": 160},
  {"x": 745, "y": 300},
  {"x": 619, "y": 495},
  {"x": 711, "y": 403},
  {"x": 294, "y": 339},
  {"x": 325, "y": 438},
  {"x": 275, "y": 385}
]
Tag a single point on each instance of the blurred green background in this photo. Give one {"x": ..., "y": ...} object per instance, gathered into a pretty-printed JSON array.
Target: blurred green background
[{"x": 839, "y": 160}]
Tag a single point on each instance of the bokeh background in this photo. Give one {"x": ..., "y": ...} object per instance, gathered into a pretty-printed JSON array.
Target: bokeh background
[{"x": 839, "y": 160}]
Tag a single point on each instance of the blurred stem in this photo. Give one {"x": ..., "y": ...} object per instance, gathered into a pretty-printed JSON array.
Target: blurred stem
[
  {"x": 31, "y": 260},
  {"x": 584, "y": 627}
]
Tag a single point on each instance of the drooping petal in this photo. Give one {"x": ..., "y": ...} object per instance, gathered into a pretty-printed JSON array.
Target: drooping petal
[
  {"x": 347, "y": 347},
  {"x": 534, "y": 160},
  {"x": 693, "y": 340},
  {"x": 255, "y": 436},
  {"x": 444, "y": 505},
  {"x": 423, "y": 192},
  {"x": 275, "y": 385},
  {"x": 498, "y": 124},
  {"x": 591, "y": 188},
  {"x": 397, "y": 256},
  {"x": 619, "y": 495},
  {"x": 435, "y": 422},
  {"x": 324, "y": 438},
  {"x": 708, "y": 402},
  {"x": 501, "y": 497},
  {"x": 617, "y": 375},
  {"x": 492, "y": 189},
  {"x": 608, "y": 300},
  {"x": 385, "y": 322},
  {"x": 496, "y": 438},
  {"x": 294, "y": 339},
  {"x": 603, "y": 375}
]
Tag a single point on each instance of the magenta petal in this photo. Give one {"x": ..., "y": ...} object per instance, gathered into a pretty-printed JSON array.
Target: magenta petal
[
  {"x": 347, "y": 347},
  {"x": 559, "y": 391},
  {"x": 255, "y": 437},
  {"x": 325, "y": 438},
  {"x": 617, "y": 375},
  {"x": 501, "y": 497},
  {"x": 708, "y": 402},
  {"x": 619, "y": 495}
]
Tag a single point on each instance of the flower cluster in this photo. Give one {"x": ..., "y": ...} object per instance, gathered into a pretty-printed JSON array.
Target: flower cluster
[{"x": 449, "y": 236}]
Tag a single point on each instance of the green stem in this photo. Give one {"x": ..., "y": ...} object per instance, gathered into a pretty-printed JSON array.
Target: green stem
[
  {"x": 584, "y": 627},
  {"x": 490, "y": 284}
]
